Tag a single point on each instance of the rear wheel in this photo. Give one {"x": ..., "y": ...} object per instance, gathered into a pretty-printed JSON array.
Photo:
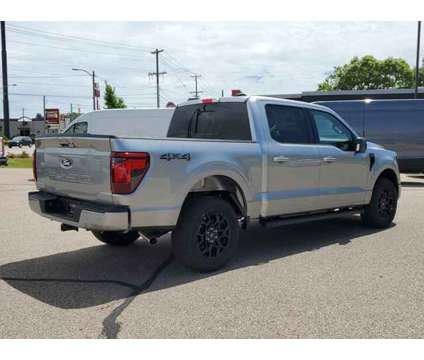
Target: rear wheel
[
  {"x": 381, "y": 211},
  {"x": 116, "y": 238},
  {"x": 207, "y": 234}
]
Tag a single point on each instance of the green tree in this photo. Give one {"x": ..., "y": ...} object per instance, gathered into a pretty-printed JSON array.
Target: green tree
[
  {"x": 368, "y": 73},
  {"x": 112, "y": 101}
]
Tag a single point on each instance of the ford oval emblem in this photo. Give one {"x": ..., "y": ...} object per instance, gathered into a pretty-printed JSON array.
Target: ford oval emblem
[{"x": 66, "y": 163}]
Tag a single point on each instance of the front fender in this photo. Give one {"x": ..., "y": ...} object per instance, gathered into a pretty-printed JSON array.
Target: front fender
[{"x": 384, "y": 160}]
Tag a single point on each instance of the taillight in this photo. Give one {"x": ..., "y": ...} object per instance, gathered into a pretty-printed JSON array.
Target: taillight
[
  {"x": 34, "y": 164},
  {"x": 127, "y": 169}
]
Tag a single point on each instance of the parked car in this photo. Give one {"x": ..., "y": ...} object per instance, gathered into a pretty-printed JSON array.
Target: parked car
[
  {"x": 224, "y": 165},
  {"x": 3, "y": 157},
  {"x": 20, "y": 141},
  {"x": 398, "y": 125}
]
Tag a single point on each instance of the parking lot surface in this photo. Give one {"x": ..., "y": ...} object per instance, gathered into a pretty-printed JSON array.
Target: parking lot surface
[{"x": 331, "y": 279}]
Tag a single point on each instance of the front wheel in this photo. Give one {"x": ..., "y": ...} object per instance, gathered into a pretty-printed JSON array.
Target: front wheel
[
  {"x": 207, "y": 234},
  {"x": 380, "y": 212},
  {"x": 116, "y": 238}
]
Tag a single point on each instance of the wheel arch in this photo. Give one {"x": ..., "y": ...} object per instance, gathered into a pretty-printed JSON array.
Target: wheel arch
[
  {"x": 389, "y": 174},
  {"x": 224, "y": 186}
]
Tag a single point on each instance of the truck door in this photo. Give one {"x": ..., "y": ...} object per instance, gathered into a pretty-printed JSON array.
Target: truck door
[
  {"x": 344, "y": 173},
  {"x": 292, "y": 162}
]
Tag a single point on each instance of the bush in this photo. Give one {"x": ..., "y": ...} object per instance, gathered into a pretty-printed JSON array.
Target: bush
[{"x": 11, "y": 156}]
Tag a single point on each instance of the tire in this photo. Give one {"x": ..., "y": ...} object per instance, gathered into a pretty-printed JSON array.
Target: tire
[
  {"x": 207, "y": 234},
  {"x": 116, "y": 238},
  {"x": 380, "y": 212}
]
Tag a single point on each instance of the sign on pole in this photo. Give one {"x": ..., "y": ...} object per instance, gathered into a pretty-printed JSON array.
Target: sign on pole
[
  {"x": 96, "y": 90},
  {"x": 52, "y": 116}
]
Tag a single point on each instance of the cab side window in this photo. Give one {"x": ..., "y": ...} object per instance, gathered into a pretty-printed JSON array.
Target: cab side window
[
  {"x": 331, "y": 131},
  {"x": 288, "y": 124}
]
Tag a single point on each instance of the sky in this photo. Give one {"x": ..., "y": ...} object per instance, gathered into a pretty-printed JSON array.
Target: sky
[{"x": 257, "y": 57}]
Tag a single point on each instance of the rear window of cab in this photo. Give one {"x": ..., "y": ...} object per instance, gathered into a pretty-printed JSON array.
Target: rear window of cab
[{"x": 218, "y": 121}]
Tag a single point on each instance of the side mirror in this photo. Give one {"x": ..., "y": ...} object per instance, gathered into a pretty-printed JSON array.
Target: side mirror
[{"x": 360, "y": 145}]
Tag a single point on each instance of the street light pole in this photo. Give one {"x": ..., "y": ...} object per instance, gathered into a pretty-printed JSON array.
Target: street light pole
[
  {"x": 93, "y": 78},
  {"x": 417, "y": 65}
]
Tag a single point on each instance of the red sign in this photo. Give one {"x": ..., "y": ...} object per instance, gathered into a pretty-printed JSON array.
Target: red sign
[
  {"x": 52, "y": 116},
  {"x": 96, "y": 90}
]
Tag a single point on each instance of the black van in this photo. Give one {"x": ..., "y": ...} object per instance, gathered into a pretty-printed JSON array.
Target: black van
[{"x": 397, "y": 125}]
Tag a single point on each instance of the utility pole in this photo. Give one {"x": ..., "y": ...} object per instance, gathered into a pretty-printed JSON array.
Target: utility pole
[
  {"x": 157, "y": 74},
  {"x": 222, "y": 93},
  {"x": 417, "y": 66},
  {"x": 5, "y": 81},
  {"x": 196, "y": 92}
]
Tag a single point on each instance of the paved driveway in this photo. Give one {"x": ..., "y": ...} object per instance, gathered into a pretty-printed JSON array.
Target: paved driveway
[{"x": 328, "y": 279}]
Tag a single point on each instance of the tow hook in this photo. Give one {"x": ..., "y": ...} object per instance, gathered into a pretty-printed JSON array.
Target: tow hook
[{"x": 66, "y": 227}]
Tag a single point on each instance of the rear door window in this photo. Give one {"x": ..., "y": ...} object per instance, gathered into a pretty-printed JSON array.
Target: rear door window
[
  {"x": 220, "y": 121},
  {"x": 288, "y": 124}
]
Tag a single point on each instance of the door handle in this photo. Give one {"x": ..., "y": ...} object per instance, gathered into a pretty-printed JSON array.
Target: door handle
[
  {"x": 280, "y": 159},
  {"x": 329, "y": 159}
]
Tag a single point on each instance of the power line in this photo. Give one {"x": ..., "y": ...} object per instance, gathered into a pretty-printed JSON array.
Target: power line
[
  {"x": 77, "y": 49},
  {"x": 51, "y": 95},
  {"x": 171, "y": 61},
  {"x": 59, "y": 36}
]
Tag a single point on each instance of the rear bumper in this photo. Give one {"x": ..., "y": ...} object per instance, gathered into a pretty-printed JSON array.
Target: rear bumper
[{"x": 78, "y": 213}]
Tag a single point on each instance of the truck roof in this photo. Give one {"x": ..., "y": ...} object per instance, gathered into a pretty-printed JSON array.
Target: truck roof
[{"x": 256, "y": 98}]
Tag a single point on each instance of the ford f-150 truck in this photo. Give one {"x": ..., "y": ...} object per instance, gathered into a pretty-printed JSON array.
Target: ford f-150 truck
[{"x": 224, "y": 164}]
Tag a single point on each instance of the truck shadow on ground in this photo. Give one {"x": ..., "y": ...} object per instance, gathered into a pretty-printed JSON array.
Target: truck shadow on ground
[{"x": 100, "y": 274}]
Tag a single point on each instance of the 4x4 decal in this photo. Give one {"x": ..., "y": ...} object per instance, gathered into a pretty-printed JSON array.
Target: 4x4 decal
[{"x": 175, "y": 156}]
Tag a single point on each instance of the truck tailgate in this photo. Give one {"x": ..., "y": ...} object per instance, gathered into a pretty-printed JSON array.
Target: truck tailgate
[{"x": 77, "y": 167}]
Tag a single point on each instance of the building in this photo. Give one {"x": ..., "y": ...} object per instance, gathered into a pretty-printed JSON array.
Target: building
[
  {"x": 311, "y": 96},
  {"x": 26, "y": 127}
]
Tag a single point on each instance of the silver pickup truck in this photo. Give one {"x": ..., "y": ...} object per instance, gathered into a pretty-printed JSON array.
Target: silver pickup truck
[{"x": 224, "y": 164}]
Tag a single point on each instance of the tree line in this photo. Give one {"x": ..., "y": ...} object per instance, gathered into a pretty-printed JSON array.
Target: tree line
[{"x": 369, "y": 73}]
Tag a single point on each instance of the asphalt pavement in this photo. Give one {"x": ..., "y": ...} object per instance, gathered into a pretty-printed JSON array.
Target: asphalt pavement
[{"x": 330, "y": 279}]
